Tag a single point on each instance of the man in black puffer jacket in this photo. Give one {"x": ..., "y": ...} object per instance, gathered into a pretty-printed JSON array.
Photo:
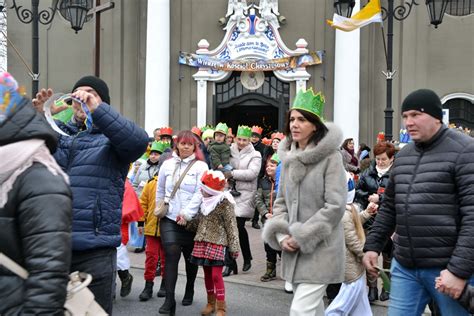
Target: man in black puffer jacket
[
  {"x": 97, "y": 160},
  {"x": 429, "y": 204},
  {"x": 35, "y": 213}
]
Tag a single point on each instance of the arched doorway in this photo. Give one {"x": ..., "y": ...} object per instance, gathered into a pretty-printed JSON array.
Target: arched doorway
[
  {"x": 461, "y": 111},
  {"x": 266, "y": 106}
]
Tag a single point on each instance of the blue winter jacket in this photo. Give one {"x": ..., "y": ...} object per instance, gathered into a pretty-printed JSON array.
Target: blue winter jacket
[{"x": 97, "y": 162}]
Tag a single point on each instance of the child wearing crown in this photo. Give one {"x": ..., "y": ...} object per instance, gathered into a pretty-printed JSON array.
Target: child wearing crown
[
  {"x": 264, "y": 198},
  {"x": 216, "y": 234},
  {"x": 219, "y": 150}
]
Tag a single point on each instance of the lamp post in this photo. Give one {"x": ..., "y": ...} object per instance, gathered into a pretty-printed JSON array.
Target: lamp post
[
  {"x": 77, "y": 10},
  {"x": 344, "y": 7},
  {"x": 436, "y": 10}
]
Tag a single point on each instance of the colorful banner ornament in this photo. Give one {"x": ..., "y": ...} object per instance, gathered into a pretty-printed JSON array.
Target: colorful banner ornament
[
  {"x": 371, "y": 13},
  {"x": 194, "y": 60}
]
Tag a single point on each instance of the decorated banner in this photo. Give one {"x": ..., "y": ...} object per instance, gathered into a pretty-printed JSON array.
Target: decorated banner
[
  {"x": 371, "y": 13},
  {"x": 195, "y": 60}
]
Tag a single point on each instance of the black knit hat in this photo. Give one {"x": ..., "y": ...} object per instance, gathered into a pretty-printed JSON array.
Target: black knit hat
[
  {"x": 97, "y": 84},
  {"x": 424, "y": 100}
]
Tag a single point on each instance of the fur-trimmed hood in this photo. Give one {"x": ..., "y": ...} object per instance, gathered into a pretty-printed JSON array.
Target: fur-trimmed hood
[{"x": 297, "y": 161}]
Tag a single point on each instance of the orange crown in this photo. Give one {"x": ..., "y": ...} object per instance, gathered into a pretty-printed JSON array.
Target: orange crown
[
  {"x": 257, "y": 129},
  {"x": 266, "y": 141},
  {"x": 278, "y": 135},
  {"x": 229, "y": 132},
  {"x": 381, "y": 136},
  {"x": 196, "y": 130},
  {"x": 214, "y": 180},
  {"x": 166, "y": 131}
]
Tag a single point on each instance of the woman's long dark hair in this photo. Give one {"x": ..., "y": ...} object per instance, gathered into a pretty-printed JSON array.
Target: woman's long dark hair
[{"x": 321, "y": 129}]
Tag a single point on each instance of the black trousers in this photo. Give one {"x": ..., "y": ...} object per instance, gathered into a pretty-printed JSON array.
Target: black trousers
[
  {"x": 244, "y": 239},
  {"x": 271, "y": 253},
  {"x": 256, "y": 215},
  {"x": 176, "y": 240},
  {"x": 102, "y": 265}
]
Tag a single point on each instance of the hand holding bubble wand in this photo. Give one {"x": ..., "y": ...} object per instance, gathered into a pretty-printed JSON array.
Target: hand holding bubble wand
[{"x": 63, "y": 102}]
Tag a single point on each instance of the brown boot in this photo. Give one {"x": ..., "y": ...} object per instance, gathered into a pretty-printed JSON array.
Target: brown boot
[
  {"x": 211, "y": 305},
  {"x": 221, "y": 308}
]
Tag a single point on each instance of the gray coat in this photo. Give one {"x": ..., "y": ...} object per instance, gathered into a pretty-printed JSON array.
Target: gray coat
[
  {"x": 145, "y": 173},
  {"x": 310, "y": 205},
  {"x": 246, "y": 163}
]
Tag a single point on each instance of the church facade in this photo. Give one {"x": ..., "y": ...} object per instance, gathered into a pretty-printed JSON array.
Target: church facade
[{"x": 184, "y": 63}]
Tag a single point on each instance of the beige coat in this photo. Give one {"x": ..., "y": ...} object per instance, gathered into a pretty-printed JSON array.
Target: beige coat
[
  {"x": 246, "y": 163},
  {"x": 310, "y": 205},
  {"x": 354, "y": 267}
]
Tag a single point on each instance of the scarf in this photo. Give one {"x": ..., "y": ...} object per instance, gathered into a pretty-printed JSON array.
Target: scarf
[
  {"x": 19, "y": 156},
  {"x": 381, "y": 172},
  {"x": 152, "y": 163},
  {"x": 354, "y": 160},
  {"x": 210, "y": 203}
]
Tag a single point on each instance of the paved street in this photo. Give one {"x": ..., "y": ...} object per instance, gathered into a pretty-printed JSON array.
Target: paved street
[
  {"x": 242, "y": 300},
  {"x": 245, "y": 293}
]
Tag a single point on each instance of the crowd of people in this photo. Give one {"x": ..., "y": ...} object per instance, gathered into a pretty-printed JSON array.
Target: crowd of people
[{"x": 327, "y": 211}]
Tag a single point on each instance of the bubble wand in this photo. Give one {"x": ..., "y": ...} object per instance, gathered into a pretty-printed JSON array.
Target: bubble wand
[{"x": 61, "y": 100}]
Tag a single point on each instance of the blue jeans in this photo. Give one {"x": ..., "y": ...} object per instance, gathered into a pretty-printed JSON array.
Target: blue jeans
[{"x": 412, "y": 289}]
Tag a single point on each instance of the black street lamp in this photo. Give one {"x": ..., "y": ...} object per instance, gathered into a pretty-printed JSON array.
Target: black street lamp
[
  {"x": 76, "y": 12},
  {"x": 344, "y": 7},
  {"x": 45, "y": 17},
  {"x": 436, "y": 10}
]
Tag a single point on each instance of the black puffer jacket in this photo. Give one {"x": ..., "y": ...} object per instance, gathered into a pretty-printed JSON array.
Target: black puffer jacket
[
  {"x": 265, "y": 196},
  {"x": 35, "y": 226},
  {"x": 368, "y": 184},
  {"x": 429, "y": 203},
  {"x": 467, "y": 298}
]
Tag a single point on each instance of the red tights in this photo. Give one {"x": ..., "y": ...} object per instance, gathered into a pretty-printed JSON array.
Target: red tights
[{"x": 214, "y": 281}]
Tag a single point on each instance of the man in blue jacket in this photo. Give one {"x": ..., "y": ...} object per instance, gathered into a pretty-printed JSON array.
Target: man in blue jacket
[{"x": 97, "y": 159}]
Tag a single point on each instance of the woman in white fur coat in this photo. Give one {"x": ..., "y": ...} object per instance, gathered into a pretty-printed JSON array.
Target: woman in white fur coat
[
  {"x": 246, "y": 162},
  {"x": 306, "y": 223}
]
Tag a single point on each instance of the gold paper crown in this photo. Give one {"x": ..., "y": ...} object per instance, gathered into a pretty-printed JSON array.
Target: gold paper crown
[{"x": 310, "y": 102}]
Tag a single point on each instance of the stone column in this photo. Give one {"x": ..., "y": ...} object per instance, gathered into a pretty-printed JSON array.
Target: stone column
[
  {"x": 201, "y": 102},
  {"x": 346, "y": 81},
  {"x": 201, "y": 78},
  {"x": 301, "y": 74},
  {"x": 157, "y": 88}
]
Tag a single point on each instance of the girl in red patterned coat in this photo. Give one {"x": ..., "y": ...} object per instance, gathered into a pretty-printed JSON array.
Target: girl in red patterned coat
[{"x": 216, "y": 234}]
